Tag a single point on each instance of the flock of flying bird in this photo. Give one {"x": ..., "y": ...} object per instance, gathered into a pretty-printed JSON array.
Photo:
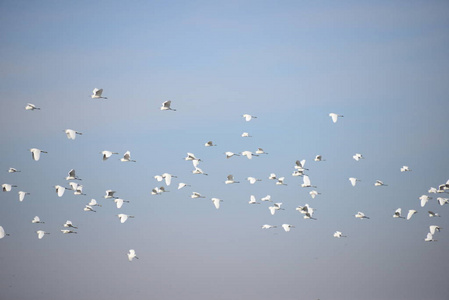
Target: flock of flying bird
[{"x": 299, "y": 170}]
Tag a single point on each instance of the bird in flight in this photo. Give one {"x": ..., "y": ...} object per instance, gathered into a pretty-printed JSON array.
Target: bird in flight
[{"x": 96, "y": 94}]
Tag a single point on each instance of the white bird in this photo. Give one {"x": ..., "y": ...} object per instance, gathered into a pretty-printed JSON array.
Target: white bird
[
  {"x": 248, "y": 117},
  {"x": 338, "y": 234},
  {"x": 119, "y": 202},
  {"x": 319, "y": 158},
  {"x": 432, "y": 190},
  {"x": 314, "y": 193},
  {"x": 280, "y": 181},
  {"x": 266, "y": 198},
  {"x": 72, "y": 175},
  {"x": 357, "y": 156},
  {"x": 36, "y": 153},
  {"x": 246, "y": 134},
  {"x": 230, "y": 180},
  {"x": 158, "y": 177},
  {"x": 96, "y": 94},
  {"x": 260, "y": 151},
  {"x": 216, "y": 202},
  {"x": 2, "y": 232},
  {"x": 191, "y": 156},
  {"x": 124, "y": 217},
  {"x": 156, "y": 191},
  {"x": 182, "y": 184},
  {"x": 299, "y": 165},
  {"x": 166, "y": 106},
  {"x": 31, "y": 107},
  {"x": 272, "y": 176},
  {"x": 361, "y": 215},
  {"x": 93, "y": 202},
  {"x": 60, "y": 190},
  {"x": 335, "y": 117},
  {"x": 37, "y": 220},
  {"x": 353, "y": 180},
  {"x": 79, "y": 190},
  {"x": 230, "y": 154},
  {"x": 405, "y": 169},
  {"x": 306, "y": 209},
  {"x": 196, "y": 195},
  {"x": 73, "y": 186},
  {"x": 309, "y": 215},
  {"x": 253, "y": 180},
  {"x": 275, "y": 207},
  {"x": 442, "y": 201},
  {"x": 429, "y": 238},
  {"x": 424, "y": 199},
  {"x": 306, "y": 182},
  {"x": 397, "y": 213},
  {"x": 66, "y": 231},
  {"x": 287, "y": 227},
  {"x": 432, "y": 214},
  {"x": 168, "y": 178},
  {"x": 298, "y": 173},
  {"x": 209, "y": 144},
  {"x": 106, "y": 154},
  {"x": 89, "y": 208},
  {"x": 410, "y": 213},
  {"x": 198, "y": 171},
  {"x": 248, "y": 154},
  {"x": 380, "y": 183},
  {"x": 69, "y": 224},
  {"x": 434, "y": 228},
  {"x": 110, "y": 194},
  {"x": 71, "y": 134},
  {"x": 253, "y": 200},
  {"x": 127, "y": 157},
  {"x": 132, "y": 254},
  {"x": 12, "y": 170},
  {"x": 267, "y": 226},
  {"x": 6, "y": 187},
  {"x": 41, "y": 234},
  {"x": 22, "y": 195}
]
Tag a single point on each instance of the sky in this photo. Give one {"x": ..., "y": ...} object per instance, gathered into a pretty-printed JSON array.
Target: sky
[{"x": 383, "y": 65}]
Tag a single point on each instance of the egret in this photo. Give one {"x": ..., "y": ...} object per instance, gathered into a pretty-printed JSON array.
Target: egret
[
  {"x": 260, "y": 151},
  {"x": 380, "y": 183},
  {"x": 156, "y": 191},
  {"x": 22, "y": 195},
  {"x": 357, "y": 156},
  {"x": 275, "y": 207},
  {"x": 89, "y": 208},
  {"x": 248, "y": 117},
  {"x": 66, "y": 231},
  {"x": 266, "y": 198},
  {"x": 79, "y": 190},
  {"x": 287, "y": 227},
  {"x": 253, "y": 200},
  {"x": 432, "y": 190},
  {"x": 168, "y": 178},
  {"x": 306, "y": 182},
  {"x": 106, "y": 154},
  {"x": 119, "y": 202},
  {"x": 429, "y": 238},
  {"x": 338, "y": 234},
  {"x": 71, "y": 134},
  {"x": 248, "y": 154},
  {"x": 299, "y": 165},
  {"x": 60, "y": 190},
  {"x": 132, "y": 254},
  {"x": 253, "y": 180},
  {"x": 306, "y": 209},
  {"x": 72, "y": 175},
  {"x": 68, "y": 224},
  {"x": 93, "y": 202},
  {"x": 166, "y": 106},
  {"x": 191, "y": 156},
  {"x": 397, "y": 213},
  {"x": 41, "y": 234},
  {"x": 442, "y": 188},
  {"x": 124, "y": 217},
  {"x": 230, "y": 180},
  {"x": 442, "y": 201},
  {"x": 410, "y": 213},
  {"x": 12, "y": 170},
  {"x": 246, "y": 134},
  {"x": 267, "y": 226},
  {"x": 298, "y": 173},
  {"x": 434, "y": 228},
  {"x": 424, "y": 199},
  {"x": 272, "y": 176},
  {"x": 353, "y": 180},
  {"x": 158, "y": 177},
  {"x": 309, "y": 215},
  {"x": 314, "y": 193},
  {"x": 6, "y": 187},
  {"x": 31, "y": 107},
  {"x": 231, "y": 154},
  {"x": 198, "y": 171},
  {"x": 96, "y": 94},
  {"x": 37, "y": 220},
  {"x": 335, "y": 117},
  {"x": 432, "y": 214},
  {"x": 361, "y": 215},
  {"x": 319, "y": 158},
  {"x": 216, "y": 202},
  {"x": 280, "y": 181},
  {"x": 182, "y": 184},
  {"x": 3, "y": 233},
  {"x": 109, "y": 194},
  {"x": 36, "y": 153},
  {"x": 405, "y": 169},
  {"x": 127, "y": 157},
  {"x": 196, "y": 195},
  {"x": 209, "y": 144}
]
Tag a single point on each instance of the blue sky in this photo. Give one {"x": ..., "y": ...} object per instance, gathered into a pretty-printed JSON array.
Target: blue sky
[{"x": 381, "y": 64}]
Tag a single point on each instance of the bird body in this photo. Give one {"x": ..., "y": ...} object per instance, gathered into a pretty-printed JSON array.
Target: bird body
[
  {"x": 379, "y": 183},
  {"x": 36, "y": 153},
  {"x": 306, "y": 182},
  {"x": 109, "y": 194},
  {"x": 338, "y": 234},
  {"x": 287, "y": 227},
  {"x": 335, "y": 117},
  {"x": 397, "y": 213},
  {"x": 6, "y": 187},
  {"x": 230, "y": 154},
  {"x": 314, "y": 193},
  {"x": 252, "y": 200},
  {"x": 209, "y": 144},
  {"x": 22, "y": 195},
  {"x": 12, "y": 170},
  {"x": 41, "y": 234},
  {"x": 230, "y": 180},
  {"x": 216, "y": 202},
  {"x": 36, "y": 220},
  {"x": 357, "y": 156},
  {"x": 166, "y": 106},
  {"x": 72, "y": 175},
  {"x": 31, "y": 107},
  {"x": 127, "y": 157},
  {"x": 353, "y": 180},
  {"x": 196, "y": 195},
  {"x": 89, "y": 208},
  {"x": 248, "y": 117},
  {"x": 253, "y": 180},
  {"x": 71, "y": 134},
  {"x": 69, "y": 224},
  {"x": 131, "y": 255},
  {"x": 106, "y": 154},
  {"x": 434, "y": 228},
  {"x": 119, "y": 202},
  {"x": 60, "y": 190},
  {"x": 424, "y": 199},
  {"x": 361, "y": 215},
  {"x": 96, "y": 94},
  {"x": 246, "y": 134},
  {"x": 124, "y": 217}
]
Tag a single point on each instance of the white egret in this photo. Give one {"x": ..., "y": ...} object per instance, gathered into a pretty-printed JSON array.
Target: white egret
[
  {"x": 216, "y": 202},
  {"x": 166, "y": 106},
  {"x": 96, "y": 94},
  {"x": 37, "y": 220},
  {"x": 299, "y": 165},
  {"x": 397, "y": 213},
  {"x": 287, "y": 227},
  {"x": 313, "y": 194},
  {"x": 191, "y": 156},
  {"x": 182, "y": 184},
  {"x": 432, "y": 190},
  {"x": 424, "y": 199},
  {"x": 60, "y": 190},
  {"x": 380, "y": 183},
  {"x": 338, "y": 234},
  {"x": 41, "y": 234},
  {"x": 253, "y": 180},
  {"x": 434, "y": 228},
  {"x": 66, "y": 231},
  {"x": 230, "y": 180},
  {"x": 2, "y": 232},
  {"x": 71, "y": 134},
  {"x": 12, "y": 170},
  {"x": 196, "y": 195},
  {"x": 357, "y": 156},
  {"x": 280, "y": 181},
  {"x": 72, "y": 175},
  {"x": 31, "y": 107},
  {"x": 22, "y": 195},
  {"x": 272, "y": 176},
  {"x": 260, "y": 151},
  {"x": 156, "y": 191},
  {"x": 209, "y": 144},
  {"x": 410, "y": 213},
  {"x": 430, "y": 238},
  {"x": 275, "y": 207},
  {"x": 306, "y": 182},
  {"x": 124, "y": 217},
  {"x": 246, "y": 134},
  {"x": 306, "y": 209},
  {"x": 361, "y": 215},
  {"x": 267, "y": 226},
  {"x": 248, "y": 117},
  {"x": 309, "y": 215},
  {"x": 132, "y": 254},
  {"x": 127, "y": 157},
  {"x": 335, "y": 117},
  {"x": 252, "y": 200},
  {"x": 6, "y": 187},
  {"x": 168, "y": 178},
  {"x": 230, "y": 154},
  {"x": 319, "y": 158},
  {"x": 36, "y": 153},
  {"x": 298, "y": 173},
  {"x": 69, "y": 224},
  {"x": 198, "y": 171},
  {"x": 158, "y": 177},
  {"x": 442, "y": 201},
  {"x": 353, "y": 180},
  {"x": 405, "y": 169},
  {"x": 89, "y": 208},
  {"x": 266, "y": 198},
  {"x": 93, "y": 202},
  {"x": 106, "y": 154},
  {"x": 110, "y": 194},
  {"x": 79, "y": 190},
  {"x": 248, "y": 154},
  {"x": 119, "y": 202},
  {"x": 432, "y": 214}
]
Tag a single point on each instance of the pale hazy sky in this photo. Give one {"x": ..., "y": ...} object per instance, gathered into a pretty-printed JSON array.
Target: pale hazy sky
[{"x": 384, "y": 65}]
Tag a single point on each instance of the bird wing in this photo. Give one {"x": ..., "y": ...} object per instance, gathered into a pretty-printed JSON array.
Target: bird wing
[
  {"x": 127, "y": 155},
  {"x": 36, "y": 154},
  {"x": 306, "y": 180}
]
